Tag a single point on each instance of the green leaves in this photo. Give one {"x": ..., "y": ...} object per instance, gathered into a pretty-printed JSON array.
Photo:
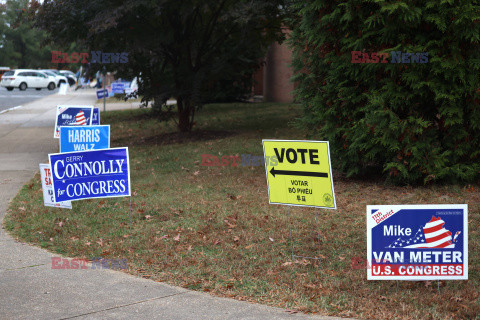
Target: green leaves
[
  {"x": 418, "y": 123},
  {"x": 195, "y": 51}
]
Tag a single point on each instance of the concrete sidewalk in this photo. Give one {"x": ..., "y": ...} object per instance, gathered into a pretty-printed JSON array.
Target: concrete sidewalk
[{"x": 30, "y": 289}]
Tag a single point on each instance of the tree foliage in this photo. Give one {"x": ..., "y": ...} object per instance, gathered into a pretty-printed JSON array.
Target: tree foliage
[
  {"x": 183, "y": 49},
  {"x": 416, "y": 122},
  {"x": 20, "y": 43}
]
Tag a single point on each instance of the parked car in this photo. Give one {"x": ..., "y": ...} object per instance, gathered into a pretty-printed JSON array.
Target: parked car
[
  {"x": 59, "y": 78},
  {"x": 70, "y": 76},
  {"x": 68, "y": 72},
  {"x": 3, "y": 70},
  {"x": 26, "y": 78}
]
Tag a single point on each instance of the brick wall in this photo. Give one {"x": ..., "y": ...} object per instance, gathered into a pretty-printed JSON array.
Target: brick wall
[{"x": 277, "y": 86}]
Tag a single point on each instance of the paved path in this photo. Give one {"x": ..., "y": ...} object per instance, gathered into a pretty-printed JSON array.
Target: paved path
[
  {"x": 30, "y": 289},
  {"x": 9, "y": 99}
]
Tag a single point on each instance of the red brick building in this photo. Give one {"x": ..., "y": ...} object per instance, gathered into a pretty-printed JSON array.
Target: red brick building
[{"x": 272, "y": 81}]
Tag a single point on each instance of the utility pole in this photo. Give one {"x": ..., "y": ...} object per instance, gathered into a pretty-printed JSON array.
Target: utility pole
[{"x": 104, "y": 95}]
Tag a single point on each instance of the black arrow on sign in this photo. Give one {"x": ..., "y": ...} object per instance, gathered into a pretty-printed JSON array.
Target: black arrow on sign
[{"x": 298, "y": 173}]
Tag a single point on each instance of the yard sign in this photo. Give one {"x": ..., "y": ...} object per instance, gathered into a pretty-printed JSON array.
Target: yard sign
[
  {"x": 299, "y": 173},
  {"x": 417, "y": 242}
]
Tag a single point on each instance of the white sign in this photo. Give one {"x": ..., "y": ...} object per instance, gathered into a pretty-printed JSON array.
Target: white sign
[
  {"x": 48, "y": 199},
  {"x": 63, "y": 89}
]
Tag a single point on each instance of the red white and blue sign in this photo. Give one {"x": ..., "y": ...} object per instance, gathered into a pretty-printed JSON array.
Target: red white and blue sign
[
  {"x": 90, "y": 174},
  {"x": 417, "y": 242},
  {"x": 82, "y": 138},
  {"x": 72, "y": 116},
  {"x": 96, "y": 117}
]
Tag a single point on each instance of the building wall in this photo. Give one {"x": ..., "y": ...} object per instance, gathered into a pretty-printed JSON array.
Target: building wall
[
  {"x": 257, "y": 89},
  {"x": 277, "y": 86}
]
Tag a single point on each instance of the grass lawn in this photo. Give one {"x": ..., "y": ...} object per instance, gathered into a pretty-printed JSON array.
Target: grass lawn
[{"x": 211, "y": 228}]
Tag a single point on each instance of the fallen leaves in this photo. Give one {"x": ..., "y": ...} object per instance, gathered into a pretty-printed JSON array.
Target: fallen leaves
[
  {"x": 311, "y": 286},
  {"x": 177, "y": 237},
  {"x": 291, "y": 311},
  {"x": 304, "y": 262},
  {"x": 229, "y": 225}
]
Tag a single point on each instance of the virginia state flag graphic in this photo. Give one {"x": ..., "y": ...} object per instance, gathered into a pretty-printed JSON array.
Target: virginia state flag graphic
[
  {"x": 432, "y": 235},
  {"x": 80, "y": 119}
]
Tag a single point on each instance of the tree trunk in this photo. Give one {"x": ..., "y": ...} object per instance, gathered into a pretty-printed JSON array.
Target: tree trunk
[{"x": 185, "y": 122}]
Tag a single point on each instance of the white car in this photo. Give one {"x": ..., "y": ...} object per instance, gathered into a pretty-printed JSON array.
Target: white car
[
  {"x": 67, "y": 72},
  {"x": 27, "y": 78},
  {"x": 59, "y": 78},
  {"x": 72, "y": 79}
]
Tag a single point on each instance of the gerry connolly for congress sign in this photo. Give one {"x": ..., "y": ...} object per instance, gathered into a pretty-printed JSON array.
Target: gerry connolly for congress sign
[{"x": 90, "y": 174}]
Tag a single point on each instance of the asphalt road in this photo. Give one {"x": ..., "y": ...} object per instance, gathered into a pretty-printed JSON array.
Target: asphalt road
[{"x": 9, "y": 99}]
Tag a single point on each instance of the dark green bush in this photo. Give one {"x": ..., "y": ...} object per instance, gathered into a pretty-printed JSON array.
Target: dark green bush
[{"x": 415, "y": 122}]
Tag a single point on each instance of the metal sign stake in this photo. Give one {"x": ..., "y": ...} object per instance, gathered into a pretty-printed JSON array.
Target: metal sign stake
[{"x": 290, "y": 227}]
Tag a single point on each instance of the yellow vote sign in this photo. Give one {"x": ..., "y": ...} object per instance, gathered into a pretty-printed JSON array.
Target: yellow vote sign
[{"x": 299, "y": 173}]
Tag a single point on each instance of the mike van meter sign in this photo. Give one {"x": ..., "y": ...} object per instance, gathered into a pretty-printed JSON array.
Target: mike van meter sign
[
  {"x": 48, "y": 198},
  {"x": 72, "y": 116},
  {"x": 417, "y": 242},
  {"x": 84, "y": 138},
  {"x": 303, "y": 175},
  {"x": 90, "y": 174}
]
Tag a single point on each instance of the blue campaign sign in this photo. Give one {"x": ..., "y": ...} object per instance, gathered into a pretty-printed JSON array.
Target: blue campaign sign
[
  {"x": 417, "y": 242},
  {"x": 72, "y": 116},
  {"x": 118, "y": 87},
  {"x": 90, "y": 174},
  {"x": 102, "y": 93},
  {"x": 96, "y": 117},
  {"x": 84, "y": 138}
]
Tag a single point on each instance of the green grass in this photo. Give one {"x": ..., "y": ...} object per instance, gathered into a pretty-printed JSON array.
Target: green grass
[{"x": 211, "y": 228}]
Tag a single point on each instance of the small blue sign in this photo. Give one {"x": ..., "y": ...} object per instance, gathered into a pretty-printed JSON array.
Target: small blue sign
[
  {"x": 102, "y": 93},
  {"x": 84, "y": 138},
  {"x": 118, "y": 87},
  {"x": 90, "y": 174},
  {"x": 96, "y": 116},
  {"x": 72, "y": 116},
  {"x": 417, "y": 242}
]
